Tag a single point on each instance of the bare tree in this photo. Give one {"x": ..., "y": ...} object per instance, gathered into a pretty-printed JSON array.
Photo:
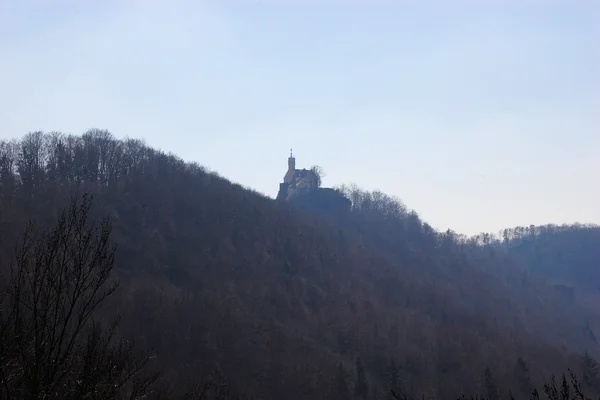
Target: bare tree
[
  {"x": 51, "y": 346},
  {"x": 319, "y": 173}
]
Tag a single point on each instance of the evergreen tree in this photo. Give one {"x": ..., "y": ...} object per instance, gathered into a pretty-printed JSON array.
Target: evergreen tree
[
  {"x": 361, "y": 389},
  {"x": 489, "y": 384},
  {"x": 590, "y": 370},
  {"x": 342, "y": 392},
  {"x": 395, "y": 383},
  {"x": 522, "y": 378}
]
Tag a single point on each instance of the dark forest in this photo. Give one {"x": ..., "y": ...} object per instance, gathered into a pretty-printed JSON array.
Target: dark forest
[{"x": 126, "y": 272}]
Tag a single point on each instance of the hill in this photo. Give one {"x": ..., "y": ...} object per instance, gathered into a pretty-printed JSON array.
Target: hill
[
  {"x": 293, "y": 300},
  {"x": 567, "y": 257},
  {"x": 567, "y": 254}
]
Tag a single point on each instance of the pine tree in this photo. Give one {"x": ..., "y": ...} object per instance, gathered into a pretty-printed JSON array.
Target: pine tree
[
  {"x": 590, "y": 370},
  {"x": 489, "y": 383},
  {"x": 395, "y": 383},
  {"x": 361, "y": 389},
  {"x": 522, "y": 377},
  {"x": 342, "y": 391}
]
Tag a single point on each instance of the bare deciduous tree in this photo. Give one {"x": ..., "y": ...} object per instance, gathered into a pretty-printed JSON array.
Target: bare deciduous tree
[
  {"x": 51, "y": 346},
  {"x": 319, "y": 173}
]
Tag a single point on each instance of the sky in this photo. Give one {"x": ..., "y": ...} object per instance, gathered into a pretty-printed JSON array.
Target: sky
[{"x": 479, "y": 115}]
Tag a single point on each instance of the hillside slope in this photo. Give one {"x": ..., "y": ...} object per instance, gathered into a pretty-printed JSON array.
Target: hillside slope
[
  {"x": 500, "y": 283},
  {"x": 566, "y": 257},
  {"x": 568, "y": 254},
  {"x": 289, "y": 303}
]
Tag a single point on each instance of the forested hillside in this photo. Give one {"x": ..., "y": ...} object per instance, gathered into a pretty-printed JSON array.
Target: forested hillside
[
  {"x": 295, "y": 302},
  {"x": 567, "y": 257},
  {"x": 567, "y": 254}
]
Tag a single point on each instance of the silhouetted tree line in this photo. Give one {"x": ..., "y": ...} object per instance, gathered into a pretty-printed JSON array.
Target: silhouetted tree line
[{"x": 284, "y": 303}]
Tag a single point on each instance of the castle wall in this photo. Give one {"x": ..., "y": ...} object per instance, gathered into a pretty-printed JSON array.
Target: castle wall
[{"x": 306, "y": 182}]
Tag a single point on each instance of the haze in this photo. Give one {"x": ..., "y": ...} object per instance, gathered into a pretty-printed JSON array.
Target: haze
[{"x": 479, "y": 115}]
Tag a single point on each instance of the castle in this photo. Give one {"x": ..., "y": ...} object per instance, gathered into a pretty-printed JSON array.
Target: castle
[{"x": 296, "y": 180}]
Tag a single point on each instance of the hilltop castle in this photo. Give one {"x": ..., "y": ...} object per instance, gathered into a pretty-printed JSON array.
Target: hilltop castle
[{"x": 296, "y": 180}]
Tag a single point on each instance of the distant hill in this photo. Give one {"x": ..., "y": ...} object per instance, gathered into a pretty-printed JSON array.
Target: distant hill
[
  {"x": 334, "y": 292},
  {"x": 568, "y": 254},
  {"x": 567, "y": 257}
]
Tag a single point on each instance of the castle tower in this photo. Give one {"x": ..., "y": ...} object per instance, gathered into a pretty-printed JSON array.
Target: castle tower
[
  {"x": 291, "y": 172},
  {"x": 291, "y": 162}
]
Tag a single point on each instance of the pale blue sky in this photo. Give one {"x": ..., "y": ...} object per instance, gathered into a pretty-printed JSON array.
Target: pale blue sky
[{"x": 478, "y": 114}]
